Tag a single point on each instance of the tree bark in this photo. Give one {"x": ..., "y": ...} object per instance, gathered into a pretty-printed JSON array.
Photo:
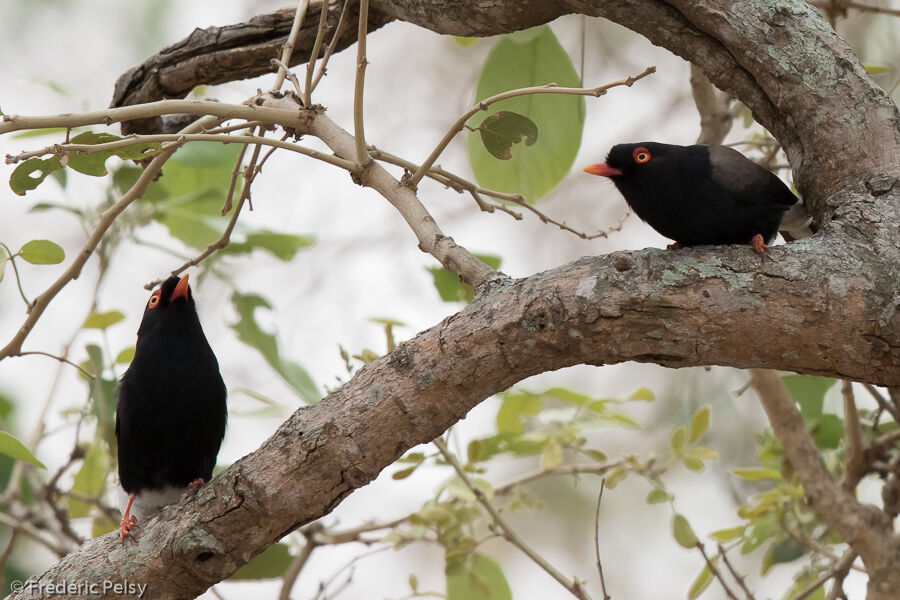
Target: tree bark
[{"x": 825, "y": 305}]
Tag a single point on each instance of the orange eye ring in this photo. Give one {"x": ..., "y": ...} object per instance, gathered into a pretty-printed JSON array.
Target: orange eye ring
[
  {"x": 154, "y": 299},
  {"x": 640, "y": 155}
]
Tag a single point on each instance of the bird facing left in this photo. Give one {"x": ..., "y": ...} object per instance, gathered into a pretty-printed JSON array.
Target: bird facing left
[{"x": 170, "y": 406}]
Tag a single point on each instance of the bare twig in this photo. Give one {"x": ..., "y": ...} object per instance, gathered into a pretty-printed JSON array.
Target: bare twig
[
  {"x": 855, "y": 468},
  {"x": 712, "y": 104},
  {"x": 737, "y": 576},
  {"x": 550, "y": 88},
  {"x": 840, "y": 566},
  {"x": 606, "y": 596},
  {"x": 362, "y": 155},
  {"x": 293, "y": 570},
  {"x": 712, "y": 569},
  {"x": 61, "y": 359},
  {"x": 288, "y": 48},
  {"x": 331, "y": 46},
  {"x": 883, "y": 402},
  {"x": 573, "y": 586},
  {"x": 314, "y": 53},
  {"x": 177, "y": 139}
]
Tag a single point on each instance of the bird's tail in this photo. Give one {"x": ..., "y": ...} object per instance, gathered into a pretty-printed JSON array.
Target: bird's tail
[{"x": 796, "y": 223}]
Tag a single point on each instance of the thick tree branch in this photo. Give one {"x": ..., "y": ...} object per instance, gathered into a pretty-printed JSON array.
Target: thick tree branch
[{"x": 694, "y": 307}]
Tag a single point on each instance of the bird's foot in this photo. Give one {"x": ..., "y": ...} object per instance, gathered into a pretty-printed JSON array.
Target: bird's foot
[
  {"x": 676, "y": 246},
  {"x": 196, "y": 484},
  {"x": 758, "y": 244},
  {"x": 128, "y": 521},
  {"x": 126, "y": 525}
]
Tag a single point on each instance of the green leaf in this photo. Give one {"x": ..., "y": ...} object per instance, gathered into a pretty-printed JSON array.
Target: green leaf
[
  {"x": 465, "y": 41},
  {"x": 268, "y": 564},
  {"x": 658, "y": 496},
  {"x": 249, "y": 332},
  {"x": 701, "y": 581},
  {"x": 103, "y": 397},
  {"x": 758, "y": 473},
  {"x": 450, "y": 288},
  {"x": 514, "y": 407},
  {"x": 701, "y": 453},
  {"x": 694, "y": 464},
  {"x": 103, "y": 320},
  {"x": 89, "y": 480},
  {"x": 404, "y": 473},
  {"x": 281, "y": 245},
  {"x": 682, "y": 532},
  {"x": 809, "y": 393},
  {"x": 723, "y": 535},
  {"x": 103, "y": 525},
  {"x": 11, "y": 446},
  {"x": 787, "y": 550},
  {"x": 24, "y": 179},
  {"x": 2, "y": 268},
  {"x": 552, "y": 456},
  {"x": 540, "y": 60},
  {"x": 480, "y": 579},
  {"x": 876, "y": 69},
  {"x": 699, "y": 423},
  {"x": 678, "y": 439},
  {"x": 42, "y": 252},
  {"x": 125, "y": 356},
  {"x": 827, "y": 431},
  {"x": 642, "y": 394},
  {"x": 502, "y": 129}
]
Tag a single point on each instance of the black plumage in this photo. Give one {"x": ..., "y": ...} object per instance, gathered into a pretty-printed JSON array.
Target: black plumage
[
  {"x": 698, "y": 194},
  {"x": 171, "y": 409}
]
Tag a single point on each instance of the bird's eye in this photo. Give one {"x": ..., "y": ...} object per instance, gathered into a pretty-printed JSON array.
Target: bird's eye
[
  {"x": 154, "y": 300},
  {"x": 640, "y": 155}
]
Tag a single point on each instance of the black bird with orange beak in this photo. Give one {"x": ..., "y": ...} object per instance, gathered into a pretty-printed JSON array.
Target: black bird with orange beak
[
  {"x": 700, "y": 195},
  {"x": 171, "y": 411}
]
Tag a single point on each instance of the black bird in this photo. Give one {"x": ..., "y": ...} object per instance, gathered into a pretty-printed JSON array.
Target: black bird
[
  {"x": 700, "y": 195},
  {"x": 170, "y": 412}
]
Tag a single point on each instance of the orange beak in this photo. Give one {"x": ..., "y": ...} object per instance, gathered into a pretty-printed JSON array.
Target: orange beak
[
  {"x": 602, "y": 169},
  {"x": 181, "y": 290}
]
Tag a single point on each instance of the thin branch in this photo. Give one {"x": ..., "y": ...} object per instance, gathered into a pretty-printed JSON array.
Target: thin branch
[
  {"x": 550, "y": 88},
  {"x": 883, "y": 402},
  {"x": 314, "y": 53},
  {"x": 61, "y": 359},
  {"x": 574, "y": 586},
  {"x": 178, "y": 139},
  {"x": 293, "y": 570},
  {"x": 460, "y": 184},
  {"x": 32, "y": 532},
  {"x": 606, "y": 596},
  {"x": 855, "y": 468},
  {"x": 222, "y": 110},
  {"x": 712, "y": 569},
  {"x": 331, "y": 46},
  {"x": 288, "y": 48},
  {"x": 737, "y": 576},
  {"x": 12, "y": 259},
  {"x": 362, "y": 155},
  {"x": 235, "y": 173},
  {"x": 840, "y": 566}
]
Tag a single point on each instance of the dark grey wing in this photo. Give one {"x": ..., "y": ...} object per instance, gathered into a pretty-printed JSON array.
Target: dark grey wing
[{"x": 748, "y": 181}]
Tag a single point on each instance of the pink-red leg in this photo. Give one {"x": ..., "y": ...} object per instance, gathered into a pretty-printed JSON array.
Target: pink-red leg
[
  {"x": 195, "y": 484},
  {"x": 128, "y": 520},
  {"x": 676, "y": 246},
  {"x": 758, "y": 244}
]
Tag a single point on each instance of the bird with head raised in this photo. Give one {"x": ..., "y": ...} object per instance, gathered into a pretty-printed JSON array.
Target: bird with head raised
[
  {"x": 699, "y": 194},
  {"x": 170, "y": 406}
]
